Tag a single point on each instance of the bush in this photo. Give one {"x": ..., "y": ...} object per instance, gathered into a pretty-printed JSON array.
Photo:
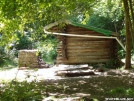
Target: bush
[
  {"x": 122, "y": 91},
  {"x": 2, "y": 55},
  {"x": 48, "y": 49},
  {"x": 24, "y": 42},
  {"x": 7, "y": 58},
  {"x": 22, "y": 91}
]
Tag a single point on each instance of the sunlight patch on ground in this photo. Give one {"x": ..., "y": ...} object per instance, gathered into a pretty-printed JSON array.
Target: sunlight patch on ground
[
  {"x": 50, "y": 73},
  {"x": 31, "y": 74}
]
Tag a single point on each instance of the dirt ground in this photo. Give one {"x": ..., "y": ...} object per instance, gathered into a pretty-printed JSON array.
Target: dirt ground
[
  {"x": 102, "y": 86},
  {"x": 98, "y": 88}
]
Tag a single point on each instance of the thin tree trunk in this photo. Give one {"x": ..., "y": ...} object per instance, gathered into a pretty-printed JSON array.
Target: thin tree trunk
[
  {"x": 128, "y": 36},
  {"x": 132, "y": 12},
  {"x": 128, "y": 46},
  {"x": 131, "y": 21}
]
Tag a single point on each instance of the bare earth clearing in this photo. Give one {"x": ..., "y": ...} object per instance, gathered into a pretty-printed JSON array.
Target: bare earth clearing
[{"x": 98, "y": 86}]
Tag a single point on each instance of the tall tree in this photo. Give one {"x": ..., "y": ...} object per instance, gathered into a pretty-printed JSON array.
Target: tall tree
[
  {"x": 129, "y": 17},
  {"x": 109, "y": 15}
]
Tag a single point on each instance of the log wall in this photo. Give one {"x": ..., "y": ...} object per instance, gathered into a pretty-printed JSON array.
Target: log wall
[{"x": 78, "y": 50}]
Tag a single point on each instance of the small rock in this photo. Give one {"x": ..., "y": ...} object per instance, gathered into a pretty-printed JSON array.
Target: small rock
[{"x": 100, "y": 69}]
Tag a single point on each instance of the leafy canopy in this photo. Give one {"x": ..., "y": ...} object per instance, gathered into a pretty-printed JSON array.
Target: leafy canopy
[{"x": 21, "y": 14}]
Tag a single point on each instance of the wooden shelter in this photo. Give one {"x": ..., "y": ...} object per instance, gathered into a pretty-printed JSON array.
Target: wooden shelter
[{"x": 81, "y": 44}]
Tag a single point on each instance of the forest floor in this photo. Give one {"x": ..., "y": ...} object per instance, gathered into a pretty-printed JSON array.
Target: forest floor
[{"x": 109, "y": 85}]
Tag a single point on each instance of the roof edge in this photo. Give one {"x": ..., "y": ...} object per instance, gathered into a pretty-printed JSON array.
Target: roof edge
[
  {"x": 56, "y": 23},
  {"x": 102, "y": 31}
]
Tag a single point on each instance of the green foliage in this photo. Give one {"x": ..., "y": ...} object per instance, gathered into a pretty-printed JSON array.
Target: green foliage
[
  {"x": 117, "y": 91},
  {"x": 2, "y": 55},
  {"x": 121, "y": 54},
  {"x": 23, "y": 41},
  {"x": 111, "y": 63},
  {"x": 122, "y": 91},
  {"x": 16, "y": 14},
  {"x": 107, "y": 15},
  {"x": 6, "y": 56},
  {"x": 101, "y": 22},
  {"x": 22, "y": 91},
  {"x": 48, "y": 49},
  {"x": 32, "y": 15}
]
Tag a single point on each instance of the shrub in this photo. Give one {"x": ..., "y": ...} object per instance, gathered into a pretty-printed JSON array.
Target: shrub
[
  {"x": 21, "y": 91},
  {"x": 1, "y": 55},
  {"x": 48, "y": 49}
]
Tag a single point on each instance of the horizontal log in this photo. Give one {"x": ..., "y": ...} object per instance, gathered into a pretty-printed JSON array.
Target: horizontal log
[
  {"x": 82, "y": 32},
  {"x": 68, "y": 28},
  {"x": 82, "y": 61},
  {"x": 86, "y": 55},
  {"x": 76, "y": 29},
  {"x": 83, "y": 58},
  {"x": 89, "y": 45},
  {"x": 77, "y": 54},
  {"x": 76, "y": 39},
  {"x": 88, "y": 50},
  {"x": 84, "y": 46},
  {"x": 89, "y": 41},
  {"x": 57, "y": 28},
  {"x": 85, "y": 39},
  {"x": 92, "y": 34}
]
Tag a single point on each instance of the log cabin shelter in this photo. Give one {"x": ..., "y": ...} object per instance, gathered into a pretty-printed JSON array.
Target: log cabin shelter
[{"x": 82, "y": 44}]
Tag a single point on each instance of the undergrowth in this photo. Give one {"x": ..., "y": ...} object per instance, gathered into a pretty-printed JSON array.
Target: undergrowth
[
  {"x": 121, "y": 91},
  {"x": 35, "y": 90},
  {"x": 22, "y": 91}
]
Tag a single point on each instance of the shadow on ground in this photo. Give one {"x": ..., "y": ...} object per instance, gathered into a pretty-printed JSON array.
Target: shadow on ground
[{"x": 93, "y": 87}]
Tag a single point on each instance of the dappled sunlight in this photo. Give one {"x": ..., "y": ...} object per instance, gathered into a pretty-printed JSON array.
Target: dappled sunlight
[
  {"x": 35, "y": 73},
  {"x": 99, "y": 86},
  {"x": 51, "y": 73}
]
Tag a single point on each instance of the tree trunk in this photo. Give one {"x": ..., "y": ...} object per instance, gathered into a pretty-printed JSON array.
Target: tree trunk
[
  {"x": 128, "y": 47},
  {"x": 128, "y": 36},
  {"x": 132, "y": 12},
  {"x": 131, "y": 20}
]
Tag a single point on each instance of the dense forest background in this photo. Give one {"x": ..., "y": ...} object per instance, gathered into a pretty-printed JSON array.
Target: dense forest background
[{"x": 22, "y": 23}]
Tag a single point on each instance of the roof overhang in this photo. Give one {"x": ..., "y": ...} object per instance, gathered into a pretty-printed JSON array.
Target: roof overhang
[{"x": 113, "y": 35}]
